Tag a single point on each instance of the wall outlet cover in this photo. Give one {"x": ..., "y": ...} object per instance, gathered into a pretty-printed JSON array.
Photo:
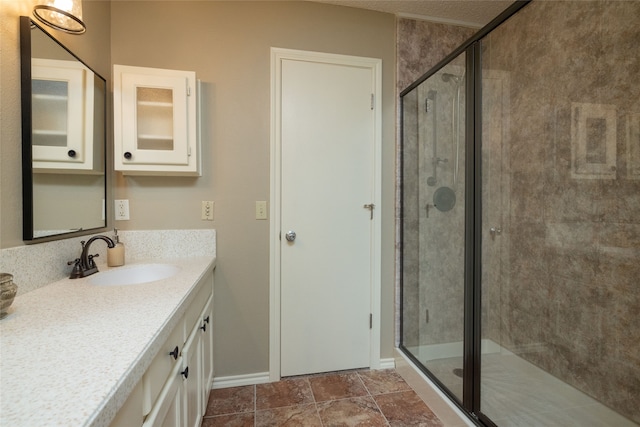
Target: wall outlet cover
[{"x": 122, "y": 210}]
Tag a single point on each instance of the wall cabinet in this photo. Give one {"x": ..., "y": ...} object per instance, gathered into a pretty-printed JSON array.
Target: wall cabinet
[
  {"x": 175, "y": 388},
  {"x": 62, "y": 100},
  {"x": 155, "y": 121}
]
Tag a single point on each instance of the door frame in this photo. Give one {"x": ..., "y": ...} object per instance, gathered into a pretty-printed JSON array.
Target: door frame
[{"x": 375, "y": 65}]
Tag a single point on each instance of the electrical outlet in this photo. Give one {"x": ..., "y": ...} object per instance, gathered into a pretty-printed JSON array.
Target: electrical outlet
[
  {"x": 122, "y": 210},
  {"x": 207, "y": 210},
  {"x": 261, "y": 210}
]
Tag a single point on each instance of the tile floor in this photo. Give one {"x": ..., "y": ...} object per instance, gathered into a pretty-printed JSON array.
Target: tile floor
[{"x": 351, "y": 398}]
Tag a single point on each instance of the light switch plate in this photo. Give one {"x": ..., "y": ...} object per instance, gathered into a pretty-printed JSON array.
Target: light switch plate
[
  {"x": 261, "y": 210},
  {"x": 207, "y": 210}
]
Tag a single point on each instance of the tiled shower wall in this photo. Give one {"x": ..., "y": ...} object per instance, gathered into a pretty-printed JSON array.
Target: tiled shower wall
[
  {"x": 561, "y": 180},
  {"x": 569, "y": 298}
]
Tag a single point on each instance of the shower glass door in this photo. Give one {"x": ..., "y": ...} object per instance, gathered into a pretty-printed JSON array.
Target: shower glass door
[{"x": 434, "y": 224}]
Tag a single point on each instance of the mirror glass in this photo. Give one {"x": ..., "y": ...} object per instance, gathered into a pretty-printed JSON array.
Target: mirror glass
[{"x": 63, "y": 139}]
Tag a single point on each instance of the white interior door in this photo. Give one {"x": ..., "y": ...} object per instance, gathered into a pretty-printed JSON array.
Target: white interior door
[{"x": 327, "y": 177}]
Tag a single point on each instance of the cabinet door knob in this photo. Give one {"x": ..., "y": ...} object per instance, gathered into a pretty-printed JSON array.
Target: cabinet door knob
[
  {"x": 127, "y": 155},
  {"x": 206, "y": 319},
  {"x": 174, "y": 353},
  {"x": 71, "y": 153},
  {"x": 185, "y": 373},
  {"x": 204, "y": 327}
]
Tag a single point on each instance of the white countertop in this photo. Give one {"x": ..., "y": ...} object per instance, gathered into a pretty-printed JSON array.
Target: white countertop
[{"x": 71, "y": 352}]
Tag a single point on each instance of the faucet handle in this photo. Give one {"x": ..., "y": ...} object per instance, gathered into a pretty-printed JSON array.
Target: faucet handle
[
  {"x": 77, "y": 269},
  {"x": 92, "y": 263}
]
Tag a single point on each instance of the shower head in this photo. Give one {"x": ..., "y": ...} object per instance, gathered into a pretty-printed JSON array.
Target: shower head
[{"x": 451, "y": 77}]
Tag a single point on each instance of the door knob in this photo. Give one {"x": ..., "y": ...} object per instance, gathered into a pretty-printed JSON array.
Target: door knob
[{"x": 290, "y": 236}]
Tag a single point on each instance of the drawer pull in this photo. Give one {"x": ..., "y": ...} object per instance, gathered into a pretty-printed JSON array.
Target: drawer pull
[
  {"x": 174, "y": 353},
  {"x": 204, "y": 327},
  {"x": 185, "y": 373},
  {"x": 206, "y": 319}
]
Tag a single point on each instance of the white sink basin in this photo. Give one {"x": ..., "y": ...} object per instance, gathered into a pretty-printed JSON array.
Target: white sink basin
[{"x": 134, "y": 275}]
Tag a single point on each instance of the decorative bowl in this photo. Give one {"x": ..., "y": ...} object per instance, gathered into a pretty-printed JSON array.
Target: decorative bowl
[{"x": 8, "y": 291}]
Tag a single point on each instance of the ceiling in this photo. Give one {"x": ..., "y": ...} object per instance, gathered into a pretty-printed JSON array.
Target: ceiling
[{"x": 471, "y": 13}]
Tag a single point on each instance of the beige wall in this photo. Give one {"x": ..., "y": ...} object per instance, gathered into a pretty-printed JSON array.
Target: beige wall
[
  {"x": 228, "y": 45},
  {"x": 93, "y": 47}
]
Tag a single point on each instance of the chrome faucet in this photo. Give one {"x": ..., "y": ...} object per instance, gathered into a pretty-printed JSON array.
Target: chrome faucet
[{"x": 85, "y": 265}]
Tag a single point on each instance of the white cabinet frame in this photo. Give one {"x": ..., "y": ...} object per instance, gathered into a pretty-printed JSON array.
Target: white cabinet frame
[
  {"x": 63, "y": 116},
  {"x": 142, "y": 126}
]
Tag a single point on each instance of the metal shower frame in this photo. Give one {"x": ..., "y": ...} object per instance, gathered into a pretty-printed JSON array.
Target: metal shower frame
[{"x": 470, "y": 404}]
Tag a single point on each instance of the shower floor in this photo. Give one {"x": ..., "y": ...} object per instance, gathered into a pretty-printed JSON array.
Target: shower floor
[{"x": 517, "y": 393}]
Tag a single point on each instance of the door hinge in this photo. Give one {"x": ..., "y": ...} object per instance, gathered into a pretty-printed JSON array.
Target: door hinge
[
  {"x": 188, "y": 90},
  {"x": 189, "y": 151},
  {"x": 370, "y": 320},
  {"x": 373, "y": 97}
]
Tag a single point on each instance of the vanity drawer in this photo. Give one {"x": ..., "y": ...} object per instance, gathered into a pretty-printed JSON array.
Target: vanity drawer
[{"x": 160, "y": 369}]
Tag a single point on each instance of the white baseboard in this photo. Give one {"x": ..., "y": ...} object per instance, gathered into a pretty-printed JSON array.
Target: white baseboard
[
  {"x": 240, "y": 380},
  {"x": 263, "y": 377},
  {"x": 389, "y": 363}
]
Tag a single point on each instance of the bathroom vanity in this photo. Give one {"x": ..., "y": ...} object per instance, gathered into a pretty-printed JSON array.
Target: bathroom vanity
[{"x": 76, "y": 353}]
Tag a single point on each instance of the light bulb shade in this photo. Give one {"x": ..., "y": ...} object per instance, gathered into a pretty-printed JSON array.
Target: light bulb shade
[{"x": 63, "y": 15}]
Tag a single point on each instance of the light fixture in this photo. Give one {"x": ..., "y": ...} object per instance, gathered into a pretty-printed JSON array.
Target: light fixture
[{"x": 63, "y": 15}]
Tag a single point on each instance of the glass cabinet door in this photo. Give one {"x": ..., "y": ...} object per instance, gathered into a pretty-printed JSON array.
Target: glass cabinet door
[
  {"x": 155, "y": 118},
  {"x": 62, "y": 115}
]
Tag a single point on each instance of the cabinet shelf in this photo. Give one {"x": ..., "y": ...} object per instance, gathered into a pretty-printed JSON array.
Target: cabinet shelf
[
  {"x": 48, "y": 132},
  {"x": 49, "y": 97},
  {"x": 156, "y": 137},
  {"x": 155, "y": 104}
]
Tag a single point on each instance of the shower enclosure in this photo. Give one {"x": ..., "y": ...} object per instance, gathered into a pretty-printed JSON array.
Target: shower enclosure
[{"x": 520, "y": 278}]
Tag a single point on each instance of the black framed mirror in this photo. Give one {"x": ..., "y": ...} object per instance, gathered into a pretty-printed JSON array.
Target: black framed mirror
[{"x": 64, "y": 178}]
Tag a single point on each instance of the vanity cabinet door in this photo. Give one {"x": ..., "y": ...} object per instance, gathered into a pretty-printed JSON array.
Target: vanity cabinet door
[
  {"x": 192, "y": 384},
  {"x": 168, "y": 411},
  {"x": 62, "y": 98},
  {"x": 130, "y": 414},
  {"x": 155, "y": 121},
  {"x": 206, "y": 331},
  {"x": 161, "y": 367}
]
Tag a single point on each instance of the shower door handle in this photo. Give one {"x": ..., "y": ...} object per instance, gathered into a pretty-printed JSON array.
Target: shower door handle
[{"x": 495, "y": 231}]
